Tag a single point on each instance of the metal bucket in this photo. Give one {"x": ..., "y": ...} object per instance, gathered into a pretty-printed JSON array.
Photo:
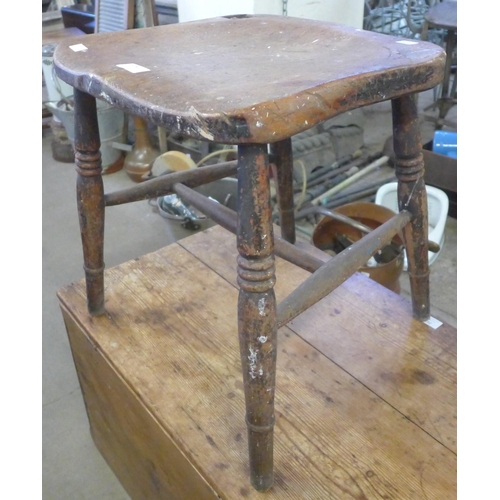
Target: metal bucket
[
  {"x": 373, "y": 216},
  {"x": 111, "y": 129},
  {"x": 56, "y": 88},
  {"x": 224, "y": 191}
]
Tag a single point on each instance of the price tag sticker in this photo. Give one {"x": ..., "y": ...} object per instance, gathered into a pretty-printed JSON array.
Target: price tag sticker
[
  {"x": 433, "y": 323},
  {"x": 79, "y": 47},
  {"x": 133, "y": 68}
]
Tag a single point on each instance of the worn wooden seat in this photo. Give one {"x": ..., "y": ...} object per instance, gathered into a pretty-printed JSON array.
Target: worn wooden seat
[
  {"x": 442, "y": 15},
  {"x": 248, "y": 79},
  {"x": 253, "y": 81}
]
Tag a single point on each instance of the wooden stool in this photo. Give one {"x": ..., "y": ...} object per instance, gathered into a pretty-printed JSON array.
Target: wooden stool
[
  {"x": 444, "y": 16},
  {"x": 253, "y": 81}
]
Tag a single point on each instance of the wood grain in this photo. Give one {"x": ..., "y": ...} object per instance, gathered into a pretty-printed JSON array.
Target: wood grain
[
  {"x": 247, "y": 79},
  {"x": 161, "y": 374},
  {"x": 367, "y": 330},
  {"x": 136, "y": 447}
]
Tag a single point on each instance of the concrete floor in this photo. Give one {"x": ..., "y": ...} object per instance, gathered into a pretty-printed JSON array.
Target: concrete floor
[{"x": 73, "y": 469}]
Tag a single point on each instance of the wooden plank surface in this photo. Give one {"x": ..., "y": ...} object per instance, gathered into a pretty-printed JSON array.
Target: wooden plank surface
[
  {"x": 169, "y": 347},
  {"x": 370, "y": 333},
  {"x": 137, "y": 448}
]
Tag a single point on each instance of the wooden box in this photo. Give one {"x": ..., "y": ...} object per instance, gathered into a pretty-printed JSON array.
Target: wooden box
[{"x": 366, "y": 396}]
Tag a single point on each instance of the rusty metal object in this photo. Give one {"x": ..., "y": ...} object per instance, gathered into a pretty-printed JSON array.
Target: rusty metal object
[
  {"x": 355, "y": 160},
  {"x": 324, "y": 197},
  {"x": 343, "y": 218},
  {"x": 352, "y": 222},
  {"x": 412, "y": 196},
  {"x": 90, "y": 198},
  {"x": 313, "y": 192},
  {"x": 282, "y": 169},
  {"x": 62, "y": 149},
  {"x": 334, "y": 272},
  {"x": 162, "y": 185},
  {"x": 324, "y": 178},
  {"x": 311, "y": 148},
  {"x": 257, "y": 309},
  {"x": 339, "y": 216},
  {"x": 357, "y": 194}
]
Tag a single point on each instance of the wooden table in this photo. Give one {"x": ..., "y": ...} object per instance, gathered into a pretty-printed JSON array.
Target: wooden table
[{"x": 365, "y": 397}]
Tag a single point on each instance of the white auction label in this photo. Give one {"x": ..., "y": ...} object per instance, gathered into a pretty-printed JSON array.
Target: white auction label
[
  {"x": 79, "y": 47},
  {"x": 133, "y": 68},
  {"x": 433, "y": 322}
]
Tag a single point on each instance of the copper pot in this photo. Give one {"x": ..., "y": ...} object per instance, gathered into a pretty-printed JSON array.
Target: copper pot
[{"x": 373, "y": 216}]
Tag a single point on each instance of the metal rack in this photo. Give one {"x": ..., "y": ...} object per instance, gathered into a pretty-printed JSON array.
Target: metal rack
[{"x": 400, "y": 18}]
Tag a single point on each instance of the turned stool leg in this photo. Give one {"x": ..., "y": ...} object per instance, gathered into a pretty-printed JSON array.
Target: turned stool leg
[
  {"x": 283, "y": 173},
  {"x": 257, "y": 308},
  {"x": 412, "y": 196},
  {"x": 90, "y": 198},
  {"x": 444, "y": 101}
]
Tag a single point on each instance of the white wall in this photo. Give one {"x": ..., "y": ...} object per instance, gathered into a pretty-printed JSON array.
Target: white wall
[
  {"x": 190, "y": 10},
  {"x": 340, "y": 11}
]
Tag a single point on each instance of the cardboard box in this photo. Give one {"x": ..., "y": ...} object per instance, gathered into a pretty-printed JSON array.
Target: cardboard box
[{"x": 441, "y": 172}]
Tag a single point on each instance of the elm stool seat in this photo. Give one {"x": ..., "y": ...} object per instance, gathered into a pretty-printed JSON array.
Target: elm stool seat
[{"x": 255, "y": 82}]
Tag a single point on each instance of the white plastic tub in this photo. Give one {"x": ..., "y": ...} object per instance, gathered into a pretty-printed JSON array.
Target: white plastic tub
[{"x": 437, "y": 203}]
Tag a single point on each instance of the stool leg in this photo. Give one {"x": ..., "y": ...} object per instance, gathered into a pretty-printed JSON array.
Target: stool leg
[
  {"x": 446, "y": 97},
  {"x": 257, "y": 308},
  {"x": 412, "y": 196},
  {"x": 283, "y": 173},
  {"x": 90, "y": 198}
]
